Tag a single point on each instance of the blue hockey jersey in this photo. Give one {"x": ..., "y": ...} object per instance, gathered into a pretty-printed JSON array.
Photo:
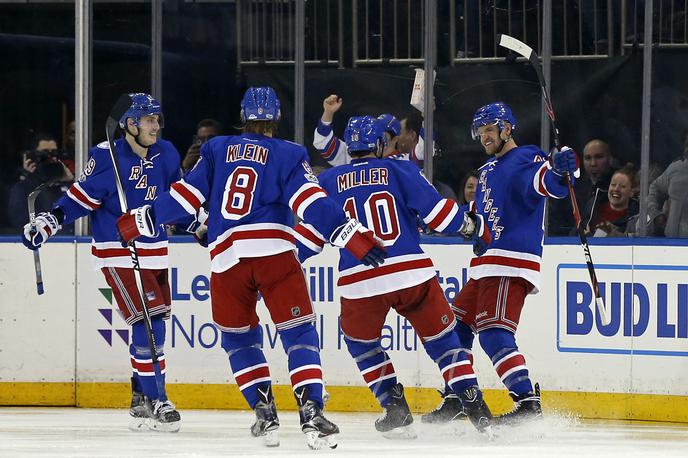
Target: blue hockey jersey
[
  {"x": 95, "y": 193},
  {"x": 511, "y": 195},
  {"x": 386, "y": 196},
  {"x": 333, "y": 150},
  {"x": 252, "y": 183}
]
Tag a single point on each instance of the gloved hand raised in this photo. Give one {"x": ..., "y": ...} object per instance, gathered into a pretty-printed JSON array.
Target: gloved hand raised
[
  {"x": 564, "y": 161},
  {"x": 360, "y": 241},
  {"x": 473, "y": 228},
  {"x": 47, "y": 224},
  {"x": 138, "y": 222}
]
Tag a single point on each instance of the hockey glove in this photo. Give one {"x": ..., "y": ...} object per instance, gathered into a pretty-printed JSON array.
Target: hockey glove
[
  {"x": 360, "y": 242},
  {"x": 198, "y": 228},
  {"x": 138, "y": 222},
  {"x": 565, "y": 162},
  {"x": 47, "y": 224},
  {"x": 473, "y": 228}
]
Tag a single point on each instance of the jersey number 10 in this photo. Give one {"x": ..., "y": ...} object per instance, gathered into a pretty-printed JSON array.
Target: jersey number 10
[{"x": 380, "y": 215}]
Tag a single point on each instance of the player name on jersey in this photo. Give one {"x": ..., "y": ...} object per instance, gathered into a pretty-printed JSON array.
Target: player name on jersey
[
  {"x": 249, "y": 152},
  {"x": 363, "y": 177}
]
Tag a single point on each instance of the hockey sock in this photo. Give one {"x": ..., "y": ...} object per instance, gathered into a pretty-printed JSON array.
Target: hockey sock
[
  {"x": 453, "y": 362},
  {"x": 465, "y": 335},
  {"x": 302, "y": 346},
  {"x": 141, "y": 358},
  {"x": 500, "y": 346},
  {"x": 247, "y": 361},
  {"x": 375, "y": 366}
]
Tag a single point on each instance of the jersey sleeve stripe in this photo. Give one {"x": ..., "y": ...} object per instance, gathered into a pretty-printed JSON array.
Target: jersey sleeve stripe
[
  {"x": 308, "y": 236},
  {"x": 539, "y": 181},
  {"x": 443, "y": 214},
  {"x": 81, "y": 197},
  {"x": 186, "y": 197},
  {"x": 306, "y": 195},
  {"x": 332, "y": 147}
]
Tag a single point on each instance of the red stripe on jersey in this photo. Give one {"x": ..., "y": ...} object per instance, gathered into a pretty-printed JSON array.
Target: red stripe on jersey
[
  {"x": 82, "y": 198},
  {"x": 306, "y": 374},
  {"x": 507, "y": 364},
  {"x": 307, "y": 234},
  {"x": 187, "y": 195},
  {"x": 442, "y": 215},
  {"x": 541, "y": 184},
  {"x": 330, "y": 148},
  {"x": 384, "y": 270},
  {"x": 147, "y": 366},
  {"x": 457, "y": 371},
  {"x": 259, "y": 372},
  {"x": 305, "y": 195},
  {"x": 248, "y": 235},
  {"x": 385, "y": 369},
  {"x": 504, "y": 261},
  {"x": 119, "y": 252}
]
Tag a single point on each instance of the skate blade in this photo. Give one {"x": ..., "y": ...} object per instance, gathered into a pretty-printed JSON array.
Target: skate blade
[
  {"x": 401, "y": 433},
  {"x": 315, "y": 442},
  {"x": 138, "y": 424},
  {"x": 271, "y": 438},
  {"x": 171, "y": 427},
  {"x": 489, "y": 432}
]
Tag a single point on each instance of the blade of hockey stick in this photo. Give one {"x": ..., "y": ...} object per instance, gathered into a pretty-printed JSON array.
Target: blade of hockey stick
[
  {"x": 526, "y": 51},
  {"x": 120, "y": 107},
  {"x": 31, "y": 203}
]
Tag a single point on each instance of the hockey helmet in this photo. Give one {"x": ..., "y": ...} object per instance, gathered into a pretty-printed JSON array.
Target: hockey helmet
[
  {"x": 390, "y": 123},
  {"x": 142, "y": 104},
  {"x": 260, "y": 104},
  {"x": 364, "y": 133},
  {"x": 493, "y": 113}
]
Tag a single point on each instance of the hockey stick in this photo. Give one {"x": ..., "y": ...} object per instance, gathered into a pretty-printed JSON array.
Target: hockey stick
[
  {"x": 526, "y": 51},
  {"x": 31, "y": 203},
  {"x": 121, "y": 106}
]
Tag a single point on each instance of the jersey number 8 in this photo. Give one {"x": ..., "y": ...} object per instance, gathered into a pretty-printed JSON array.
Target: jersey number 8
[{"x": 238, "y": 195}]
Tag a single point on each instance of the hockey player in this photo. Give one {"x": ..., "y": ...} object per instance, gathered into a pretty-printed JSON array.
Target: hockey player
[
  {"x": 149, "y": 166},
  {"x": 333, "y": 150},
  {"x": 508, "y": 212},
  {"x": 253, "y": 182},
  {"x": 389, "y": 196}
]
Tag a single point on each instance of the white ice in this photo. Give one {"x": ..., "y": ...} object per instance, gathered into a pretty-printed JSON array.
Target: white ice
[{"x": 72, "y": 432}]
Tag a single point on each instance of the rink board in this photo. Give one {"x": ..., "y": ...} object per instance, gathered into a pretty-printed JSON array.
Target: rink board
[{"x": 70, "y": 346}]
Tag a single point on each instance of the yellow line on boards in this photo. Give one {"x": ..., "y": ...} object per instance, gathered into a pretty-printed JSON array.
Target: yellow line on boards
[{"x": 343, "y": 398}]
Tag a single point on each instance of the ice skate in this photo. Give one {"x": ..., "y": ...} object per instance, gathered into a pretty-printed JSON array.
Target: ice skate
[
  {"x": 140, "y": 409},
  {"x": 395, "y": 422},
  {"x": 164, "y": 417},
  {"x": 527, "y": 407},
  {"x": 320, "y": 432},
  {"x": 477, "y": 411},
  {"x": 450, "y": 409},
  {"x": 267, "y": 423}
]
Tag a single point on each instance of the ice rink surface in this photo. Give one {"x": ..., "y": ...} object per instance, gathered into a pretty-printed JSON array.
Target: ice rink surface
[{"x": 72, "y": 432}]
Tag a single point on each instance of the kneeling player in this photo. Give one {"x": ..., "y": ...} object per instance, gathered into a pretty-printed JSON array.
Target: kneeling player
[
  {"x": 150, "y": 164},
  {"x": 389, "y": 195}
]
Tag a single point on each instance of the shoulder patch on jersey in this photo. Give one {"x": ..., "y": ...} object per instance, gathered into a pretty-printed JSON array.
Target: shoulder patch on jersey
[
  {"x": 88, "y": 170},
  {"x": 103, "y": 145},
  {"x": 309, "y": 175}
]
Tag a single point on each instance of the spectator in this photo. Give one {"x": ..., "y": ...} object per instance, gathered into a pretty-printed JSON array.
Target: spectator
[
  {"x": 672, "y": 187},
  {"x": 469, "y": 184},
  {"x": 608, "y": 213},
  {"x": 42, "y": 141},
  {"x": 597, "y": 163},
  {"x": 205, "y": 130},
  {"x": 46, "y": 168}
]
